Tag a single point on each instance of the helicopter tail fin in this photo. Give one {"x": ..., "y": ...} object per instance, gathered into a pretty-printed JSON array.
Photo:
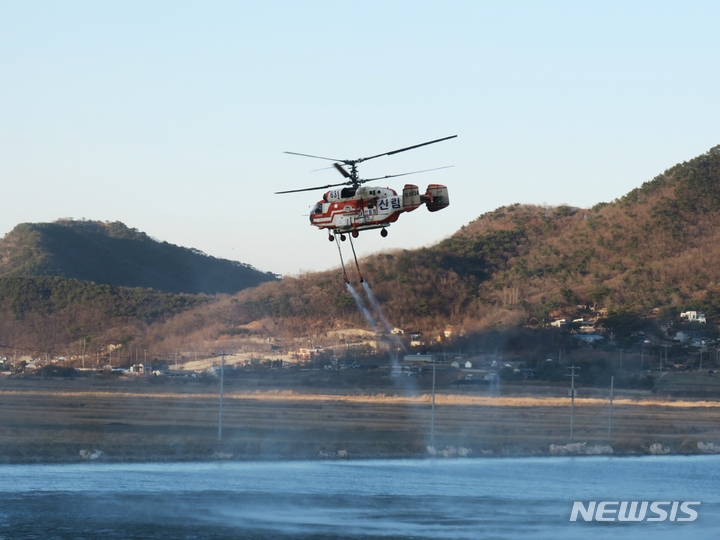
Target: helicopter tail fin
[
  {"x": 439, "y": 197},
  {"x": 411, "y": 197}
]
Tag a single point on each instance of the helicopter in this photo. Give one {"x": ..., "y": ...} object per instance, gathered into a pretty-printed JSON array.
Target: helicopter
[{"x": 357, "y": 207}]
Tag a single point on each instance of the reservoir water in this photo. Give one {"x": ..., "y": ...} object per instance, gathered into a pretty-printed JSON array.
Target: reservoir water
[{"x": 468, "y": 498}]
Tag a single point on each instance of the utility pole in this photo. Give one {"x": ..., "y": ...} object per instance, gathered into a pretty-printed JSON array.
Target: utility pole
[
  {"x": 612, "y": 381},
  {"x": 432, "y": 411},
  {"x": 661, "y": 356},
  {"x": 642, "y": 356},
  {"x": 222, "y": 377},
  {"x": 572, "y": 399}
]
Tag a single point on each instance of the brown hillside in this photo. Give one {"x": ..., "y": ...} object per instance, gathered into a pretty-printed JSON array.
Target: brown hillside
[
  {"x": 654, "y": 248},
  {"x": 652, "y": 252}
]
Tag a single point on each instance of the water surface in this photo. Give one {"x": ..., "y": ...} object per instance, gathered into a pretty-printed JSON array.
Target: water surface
[{"x": 471, "y": 498}]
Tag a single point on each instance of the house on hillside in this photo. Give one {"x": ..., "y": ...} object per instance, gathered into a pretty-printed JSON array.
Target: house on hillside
[
  {"x": 683, "y": 336},
  {"x": 309, "y": 354},
  {"x": 416, "y": 339},
  {"x": 693, "y": 316},
  {"x": 559, "y": 323}
]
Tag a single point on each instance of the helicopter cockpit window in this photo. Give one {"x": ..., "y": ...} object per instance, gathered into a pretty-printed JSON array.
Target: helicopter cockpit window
[
  {"x": 348, "y": 192},
  {"x": 317, "y": 209}
]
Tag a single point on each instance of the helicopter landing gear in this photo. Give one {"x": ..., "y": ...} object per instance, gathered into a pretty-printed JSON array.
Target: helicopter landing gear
[
  {"x": 331, "y": 238},
  {"x": 355, "y": 234},
  {"x": 342, "y": 237},
  {"x": 383, "y": 233}
]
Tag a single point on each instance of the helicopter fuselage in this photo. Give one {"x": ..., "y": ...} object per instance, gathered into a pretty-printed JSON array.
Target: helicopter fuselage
[
  {"x": 369, "y": 207},
  {"x": 358, "y": 207}
]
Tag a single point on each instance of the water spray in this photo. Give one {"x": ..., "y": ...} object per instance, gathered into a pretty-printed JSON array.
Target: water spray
[
  {"x": 368, "y": 316},
  {"x": 375, "y": 303}
]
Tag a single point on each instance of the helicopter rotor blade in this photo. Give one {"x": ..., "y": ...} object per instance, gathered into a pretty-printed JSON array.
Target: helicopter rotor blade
[
  {"x": 342, "y": 171},
  {"x": 404, "y": 174},
  {"x": 405, "y": 149},
  {"x": 310, "y": 155},
  {"x": 310, "y": 188}
]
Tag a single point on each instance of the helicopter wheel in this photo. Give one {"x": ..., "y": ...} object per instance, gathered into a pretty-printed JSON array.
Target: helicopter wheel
[
  {"x": 355, "y": 234},
  {"x": 331, "y": 237},
  {"x": 383, "y": 233},
  {"x": 342, "y": 237}
]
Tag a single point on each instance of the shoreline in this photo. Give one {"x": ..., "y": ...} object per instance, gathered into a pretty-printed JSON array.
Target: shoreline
[
  {"x": 446, "y": 399},
  {"x": 137, "y": 421},
  {"x": 110, "y": 460}
]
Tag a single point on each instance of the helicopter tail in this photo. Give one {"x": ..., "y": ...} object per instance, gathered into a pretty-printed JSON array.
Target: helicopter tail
[
  {"x": 438, "y": 197},
  {"x": 411, "y": 197}
]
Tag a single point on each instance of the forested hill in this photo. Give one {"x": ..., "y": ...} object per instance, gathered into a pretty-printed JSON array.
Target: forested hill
[
  {"x": 651, "y": 253},
  {"x": 113, "y": 254},
  {"x": 654, "y": 251}
]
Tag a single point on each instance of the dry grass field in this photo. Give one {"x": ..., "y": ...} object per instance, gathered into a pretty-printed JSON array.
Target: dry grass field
[{"x": 52, "y": 420}]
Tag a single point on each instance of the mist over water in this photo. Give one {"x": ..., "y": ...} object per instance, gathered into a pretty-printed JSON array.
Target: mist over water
[{"x": 422, "y": 499}]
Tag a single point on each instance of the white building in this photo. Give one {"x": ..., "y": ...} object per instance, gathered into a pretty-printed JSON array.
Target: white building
[{"x": 693, "y": 316}]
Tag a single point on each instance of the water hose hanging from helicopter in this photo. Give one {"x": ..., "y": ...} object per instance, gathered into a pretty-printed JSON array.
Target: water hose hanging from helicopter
[
  {"x": 342, "y": 263},
  {"x": 362, "y": 280}
]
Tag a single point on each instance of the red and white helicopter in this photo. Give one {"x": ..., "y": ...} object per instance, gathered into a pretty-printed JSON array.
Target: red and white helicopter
[{"x": 357, "y": 207}]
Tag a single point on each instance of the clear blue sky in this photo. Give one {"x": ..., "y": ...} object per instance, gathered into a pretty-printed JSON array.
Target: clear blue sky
[{"x": 172, "y": 116}]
